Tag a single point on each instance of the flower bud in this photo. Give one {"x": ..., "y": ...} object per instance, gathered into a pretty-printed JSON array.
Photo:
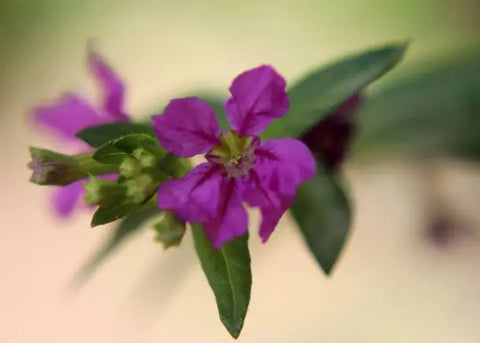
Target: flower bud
[
  {"x": 146, "y": 158},
  {"x": 169, "y": 229},
  {"x": 130, "y": 167},
  {"x": 140, "y": 188},
  {"x": 52, "y": 168},
  {"x": 103, "y": 192},
  {"x": 330, "y": 138}
]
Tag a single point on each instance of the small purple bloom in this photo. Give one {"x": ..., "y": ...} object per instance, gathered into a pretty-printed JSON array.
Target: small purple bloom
[
  {"x": 239, "y": 167},
  {"x": 72, "y": 113},
  {"x": 331, "y": 137}
]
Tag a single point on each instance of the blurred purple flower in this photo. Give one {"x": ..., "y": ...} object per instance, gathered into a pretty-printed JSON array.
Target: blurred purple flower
[
  {"x": 331, "y": 137},
  {"x": 71, "y": 113},
  {"x": 239, "y": 167}
]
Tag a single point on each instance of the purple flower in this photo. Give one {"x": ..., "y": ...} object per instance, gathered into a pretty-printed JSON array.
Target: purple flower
[
  {"x": 72, "y": 113},
  {"x": 239, "y": 167},
  {"x": 331, "y": 137}
]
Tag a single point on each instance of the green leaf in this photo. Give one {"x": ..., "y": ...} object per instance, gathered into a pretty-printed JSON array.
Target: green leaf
[
  {"x": 116, "y": 150},
  {"x": 229, "y": 275},
  {"x": 130, "y": 225},
  {"x": 316, "y": 96},
  {"x": 130, "y": 142},
  {"x": 433, "y": 112},
  {"x": 322, "y": 212},
  {"x": 105, "y": 215},
  {"x": 97, "y": 135},
  {"x": 108, "y": 153}
]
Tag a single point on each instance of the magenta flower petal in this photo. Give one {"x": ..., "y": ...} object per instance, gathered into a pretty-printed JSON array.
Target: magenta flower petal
[
  {"x": 283, "y": 164},
  {"x": 272, "y": 204},
  {"x": 271, "y": 215},
  {"x": 66, "y": 198},
  {"x": 112, "y": 87},
  {"x": 187, "y": 127},
  {"x": 195, "y": 196},
  {"x": 231, "y": 219},
  {"x": 258, "y": 97},
  {"x": 66, "y": 117}
]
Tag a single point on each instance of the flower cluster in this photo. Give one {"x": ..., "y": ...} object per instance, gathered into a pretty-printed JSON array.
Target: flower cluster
[{"x": 239, "y": 168}]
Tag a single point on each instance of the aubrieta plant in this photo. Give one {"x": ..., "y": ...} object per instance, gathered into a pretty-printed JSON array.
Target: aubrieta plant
[{"x": 283, "y": 151}]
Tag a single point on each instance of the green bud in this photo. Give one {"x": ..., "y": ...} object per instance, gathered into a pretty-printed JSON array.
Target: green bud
[
  {"x": 52, "y": 168},
  {"x": 103, "y": 192},
  {"x": 174, "y": 166},
  {"x": 140, "y": 188},
  {"x": 146, "y": 158},
  {"x": 130, "y": 167},
  {"x": 169, "y": 230}
]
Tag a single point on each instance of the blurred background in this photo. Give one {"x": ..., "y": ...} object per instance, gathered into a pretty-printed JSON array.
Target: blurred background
[{"x": 409, "y": 272}]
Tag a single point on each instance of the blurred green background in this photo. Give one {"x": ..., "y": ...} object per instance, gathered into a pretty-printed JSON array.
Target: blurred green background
[{"x": 392, "y": 284}]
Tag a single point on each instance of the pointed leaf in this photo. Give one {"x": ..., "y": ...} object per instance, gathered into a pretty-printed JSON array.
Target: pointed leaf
[
  {"x": 322, "y": 212},
  {"x": 108, "y": 153},
  {"x": 115, "y": 151},
  {"x": 316, "y": 96},
  {"x": 229, "y": 275},
  {"x": 97, "y": 135},
  {"x": 108, "y": 214}
]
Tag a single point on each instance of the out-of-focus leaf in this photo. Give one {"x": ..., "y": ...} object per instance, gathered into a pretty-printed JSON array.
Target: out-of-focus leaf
[
  {"x": 434, "y": 112},
  {"x": 229, "y": 275},
  {"x": 323, "y": 215},
  {"x": 125, "y": 229},
  {"x": 97, "y": 135},
  {"x": 317, "y": 95}
]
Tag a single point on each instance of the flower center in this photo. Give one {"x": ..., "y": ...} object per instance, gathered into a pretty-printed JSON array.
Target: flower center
[{"x": 235, "y": 155}]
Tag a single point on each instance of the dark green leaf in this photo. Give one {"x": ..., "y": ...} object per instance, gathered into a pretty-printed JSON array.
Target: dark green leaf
[
  {"x": 97, "y": 135},
  {"x": 109, "y": 154},
  {"x": 316, "y": 96},
  {"x": 116, "y": 150},
  {"x": 229, "y": 275},
  {"x": 130, "y": 142},
  {"x": 105, "y": 215},
  {"x": 322, "y": 212},
  {"x": 130, "y": 225},
  {"x": 433, "y": 112}
]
